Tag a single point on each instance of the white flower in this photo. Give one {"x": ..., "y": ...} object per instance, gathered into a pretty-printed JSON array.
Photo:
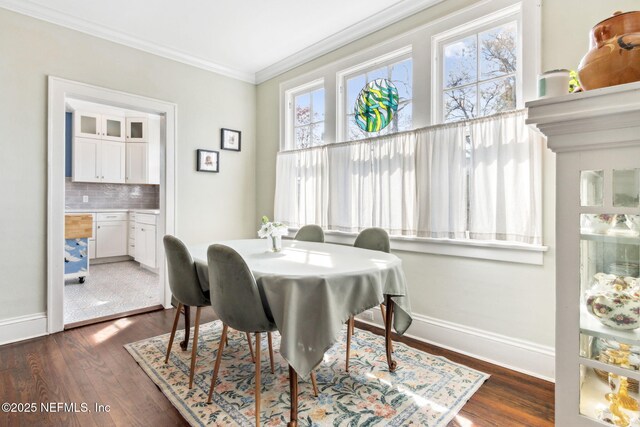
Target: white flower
[{"x": 272, "y": 229}]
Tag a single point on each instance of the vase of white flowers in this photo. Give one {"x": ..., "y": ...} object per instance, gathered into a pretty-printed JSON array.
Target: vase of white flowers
[{"x": 273, "y": 232}]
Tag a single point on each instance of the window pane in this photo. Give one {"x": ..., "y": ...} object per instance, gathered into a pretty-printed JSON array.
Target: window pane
[
  {"x": 302, "y": 113},
  {"x": 497, "y": 95},
  {"x": 317, "y": 98},
  {"x": 379, "y": 73},
  {"x": 591, "y": 187},
  {"x": 302, "y": 137},
  {"x": 626, "y": 187},
  {"x": 460, "y": 62},
  {"x": 317, "y": 134},
  {"x": 354, "y": 86},
  {"x": 353, "y": 130},
  {"x": 402, "y": 78},
  {"x": 459, "y": 103},
  {"x": 405, "y": 117},
  {"x": 498, "y": 51}
]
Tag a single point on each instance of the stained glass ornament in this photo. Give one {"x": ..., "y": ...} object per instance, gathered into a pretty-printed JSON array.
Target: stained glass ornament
[{"x": 376, "y": 105}]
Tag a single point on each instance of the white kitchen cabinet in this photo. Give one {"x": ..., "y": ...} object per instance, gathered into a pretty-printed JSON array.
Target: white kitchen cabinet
[
  {"x": 86, "y": 166},
  {"x": 142, "y": 163},
  {"x": 92, "y": 239},
  {"x": 131, "y": 249},
  {"x": 137, "y": 163},
  {"x": 111, "y": 239},
  {"x": 112, "y": 162},
  {"x": 137, "y": 129},
  {"x": 143, "y": 158},
  {"x": 87, "y": 125},
  {"x": 99, "y": 126},
  {"x": 145, "y": 240},
  {"x": 98, "y": 161},
  {"x": 596, "y": 138}
]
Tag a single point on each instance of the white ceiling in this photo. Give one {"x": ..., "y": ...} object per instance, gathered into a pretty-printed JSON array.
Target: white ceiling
[{"x": 252, "y": 40}]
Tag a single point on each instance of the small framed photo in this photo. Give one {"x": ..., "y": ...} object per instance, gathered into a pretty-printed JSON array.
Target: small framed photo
[
  {"x": 230, "y": 139},
  {"x": 208, "y": 161}
]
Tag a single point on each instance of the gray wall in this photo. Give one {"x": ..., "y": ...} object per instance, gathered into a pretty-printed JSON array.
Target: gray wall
[
  {"x": 514, "y": 300},
  {"x": 209, "y": 206}
]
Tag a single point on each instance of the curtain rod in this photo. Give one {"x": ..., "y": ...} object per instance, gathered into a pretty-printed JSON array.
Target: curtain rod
[{"x": 459, "y": 123}]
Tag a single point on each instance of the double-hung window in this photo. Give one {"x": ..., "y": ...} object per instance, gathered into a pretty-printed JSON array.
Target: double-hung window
[
  {"x": 396, "y": 67},
  {"x": 305, "y": 116},
  {"x": 478, "y": 70}
]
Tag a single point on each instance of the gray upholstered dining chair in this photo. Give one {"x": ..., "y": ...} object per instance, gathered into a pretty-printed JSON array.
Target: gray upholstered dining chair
[
  {"x": 238, "y": 302},
  {"x": 310, "y": 233},
  {"x": 375, "y": 239},
  {"x": 186, "y": 290}
]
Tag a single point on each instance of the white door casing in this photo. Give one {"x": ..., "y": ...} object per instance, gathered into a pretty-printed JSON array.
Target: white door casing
[{"x": 58, "y": 91}]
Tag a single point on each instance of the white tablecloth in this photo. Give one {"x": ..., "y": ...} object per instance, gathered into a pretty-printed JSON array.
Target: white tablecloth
[{"x": 313, "y": 288}]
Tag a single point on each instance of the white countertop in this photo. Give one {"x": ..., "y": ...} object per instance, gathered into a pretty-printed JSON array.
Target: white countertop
[{"x": 89, "y": 210}]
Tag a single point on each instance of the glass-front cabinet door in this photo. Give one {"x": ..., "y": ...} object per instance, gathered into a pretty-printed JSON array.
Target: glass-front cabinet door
[
  {"x": 87, "y": 125},
  {"x": 137, "y": 128},
  {"x": 609, "y": 286}
]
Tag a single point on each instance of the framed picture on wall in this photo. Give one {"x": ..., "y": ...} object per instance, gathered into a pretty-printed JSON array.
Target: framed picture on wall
[
  {"x": 230, "y": 139},
  {"x": 208, "y": 161}
]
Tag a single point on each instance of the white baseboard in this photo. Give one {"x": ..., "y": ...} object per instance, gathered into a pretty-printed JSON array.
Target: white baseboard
[
  {"x": 23, "y": 327},
  {"x": 512, "y": 353}
]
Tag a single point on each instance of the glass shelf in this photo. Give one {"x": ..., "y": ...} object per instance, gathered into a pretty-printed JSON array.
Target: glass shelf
[{"x": 591, "y": 326}]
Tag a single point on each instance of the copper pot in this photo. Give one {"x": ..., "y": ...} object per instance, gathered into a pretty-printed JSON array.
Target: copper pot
[{"x": 614, "y": 55}]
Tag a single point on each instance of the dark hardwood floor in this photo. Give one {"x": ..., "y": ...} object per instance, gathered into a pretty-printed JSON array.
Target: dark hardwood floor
[{"x": 90, "y": 365}]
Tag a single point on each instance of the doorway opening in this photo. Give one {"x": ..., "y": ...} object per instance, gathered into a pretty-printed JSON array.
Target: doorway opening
[
  {"x": 111, "y": 197},
  {"x": 112, "y": 204}
]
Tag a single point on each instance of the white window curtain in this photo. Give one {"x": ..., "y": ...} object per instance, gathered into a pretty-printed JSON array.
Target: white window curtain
[
  {"x": 302, "y": 187},
  {"x": 481, "y": 179},
  {"x": 505, "y": 180},
  {"x": 351, "y": 187},
  {"x": 372, "y": 184},
  {"x": 441, "y": 175}
]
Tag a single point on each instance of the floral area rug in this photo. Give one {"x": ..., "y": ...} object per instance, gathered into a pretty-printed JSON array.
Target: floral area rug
[{"x": 425, "y": 390}]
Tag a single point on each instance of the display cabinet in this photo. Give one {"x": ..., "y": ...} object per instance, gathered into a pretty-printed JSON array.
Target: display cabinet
[{"x": 596, "y": 136}]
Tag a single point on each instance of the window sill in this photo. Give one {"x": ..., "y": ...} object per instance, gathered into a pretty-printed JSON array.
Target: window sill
[{"x": 479, "y": 249}]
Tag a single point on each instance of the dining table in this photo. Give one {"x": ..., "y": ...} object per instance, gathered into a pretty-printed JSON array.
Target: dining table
[{"x": 312, "y": 289}]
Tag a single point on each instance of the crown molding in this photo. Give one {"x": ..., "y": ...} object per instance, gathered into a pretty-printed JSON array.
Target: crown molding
[
  {"x": 43, "y": 13},
  {"x": 380, "y": 20},
  {"x": 398, "y": 11}
]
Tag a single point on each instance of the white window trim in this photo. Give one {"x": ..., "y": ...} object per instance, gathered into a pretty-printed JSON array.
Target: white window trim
[
  {"x": 342, "y": 76},
  {"x": 503, "y": 16},
  {"x": 289, "y": 96},
  {"x": 520, "y": 253}
]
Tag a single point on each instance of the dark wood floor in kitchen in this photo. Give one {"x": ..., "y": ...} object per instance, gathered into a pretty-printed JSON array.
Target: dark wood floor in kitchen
[{"x": 89, "y": 364}]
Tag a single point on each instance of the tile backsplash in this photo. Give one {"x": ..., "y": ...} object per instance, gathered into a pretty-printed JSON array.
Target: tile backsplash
[{"x": 111, "y": 196}]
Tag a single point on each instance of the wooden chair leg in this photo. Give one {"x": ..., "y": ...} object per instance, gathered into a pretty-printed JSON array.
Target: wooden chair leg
[
  {"x": 383, "y": 311},
  {"x": 194, "y": 347},
  {"x": 270, "y": 341},
  {"x": 253, "y": 359},
  {"x": 314, "y": 384},
  {"x": 258, "y": 378},
  {"x": 223, "y": 338},
  {"x": 173, "y": 332},
  {"x": 349, "y": 333},
  {"x": 187, "y": 327}
]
